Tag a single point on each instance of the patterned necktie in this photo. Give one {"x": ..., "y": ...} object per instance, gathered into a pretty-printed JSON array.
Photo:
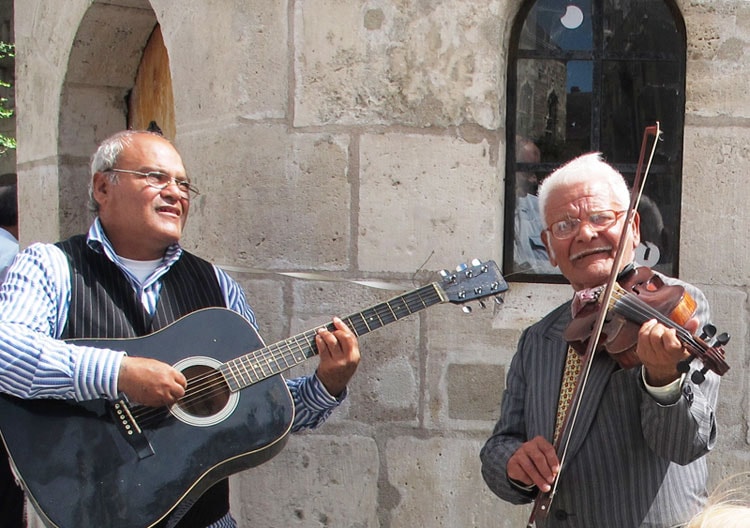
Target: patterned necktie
[{"x": 567, "y": 389}]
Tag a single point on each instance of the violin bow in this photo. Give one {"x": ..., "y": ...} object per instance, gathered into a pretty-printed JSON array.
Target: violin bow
[{"x": 543, "y": 500}]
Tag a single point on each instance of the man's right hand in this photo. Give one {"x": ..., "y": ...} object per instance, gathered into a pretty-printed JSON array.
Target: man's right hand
[
  {"x": 534, "y": 463},
  {"x": 150, "y": 382}
]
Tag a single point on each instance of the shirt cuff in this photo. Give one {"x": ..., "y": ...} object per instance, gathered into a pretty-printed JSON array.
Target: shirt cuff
[
  {"x": 96, "y": 374},
  {"x": 666, "y": 395}
]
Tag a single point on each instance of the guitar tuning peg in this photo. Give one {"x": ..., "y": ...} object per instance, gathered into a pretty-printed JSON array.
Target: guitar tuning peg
[
  {"x": 476, "y": 262},
  {"x": 461, "y": 267},
  {"x": 482, "y": 304},
  {"x": 466, "y": 309},
  {"x": 444, "y": 273},
  {"x": 499, "y": 299}
]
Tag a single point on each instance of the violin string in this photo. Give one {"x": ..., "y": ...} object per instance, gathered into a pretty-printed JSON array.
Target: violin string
[{"x": 631, "y": 305}]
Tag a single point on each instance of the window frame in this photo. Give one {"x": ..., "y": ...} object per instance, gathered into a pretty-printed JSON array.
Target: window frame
[{"x": 598, "y": 56}]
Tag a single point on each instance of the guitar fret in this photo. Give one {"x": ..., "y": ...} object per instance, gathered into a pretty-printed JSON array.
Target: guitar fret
[
  {"x": 296, "y": 349},
  {"x": 360, "y": 329},
  {"x": 247, "y": 373},
  {"x": 308, "y": 344},
  {"x": 231, "y": 379}
]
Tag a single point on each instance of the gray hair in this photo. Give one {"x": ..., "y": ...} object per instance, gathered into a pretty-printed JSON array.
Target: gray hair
[
  {"x": 106, "y": 156},
  {"x": 583, "y": 169}
]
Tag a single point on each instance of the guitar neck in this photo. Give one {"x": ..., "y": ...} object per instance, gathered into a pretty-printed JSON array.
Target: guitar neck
[{"x": 274, "y": 359}]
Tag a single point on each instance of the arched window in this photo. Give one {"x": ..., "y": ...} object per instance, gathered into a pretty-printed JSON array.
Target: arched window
[{"x": 591, "y": 75}]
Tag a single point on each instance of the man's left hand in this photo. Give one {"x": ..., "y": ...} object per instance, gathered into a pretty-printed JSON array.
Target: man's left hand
[{"x": 660, "y": 350}]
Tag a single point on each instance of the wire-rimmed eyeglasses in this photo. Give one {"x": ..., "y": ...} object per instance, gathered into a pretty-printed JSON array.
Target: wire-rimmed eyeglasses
[
  {"x": 598, "y": 220},
  {"x": 160, "y": 180}
]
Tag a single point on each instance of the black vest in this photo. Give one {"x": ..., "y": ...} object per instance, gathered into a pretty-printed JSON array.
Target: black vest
[{"x": 103, "y": 304}]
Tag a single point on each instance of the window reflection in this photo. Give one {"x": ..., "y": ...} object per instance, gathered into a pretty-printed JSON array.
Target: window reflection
[
  {"x": 552, "y": 24},
  {"x": 590, "y": 75}
]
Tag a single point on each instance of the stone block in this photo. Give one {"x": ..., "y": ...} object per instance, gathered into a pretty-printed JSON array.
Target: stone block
[
  {"x": 421, "y": 65},
  {"x": 427, "y": 202},
  {"x": 269, "y": 200},
  {"x": 317, "y": 480},
  {"x": 466, "y": 361},
  {"x": 231, "y": 62},
  {"x": 714, "y": 187},
  {"x": 437, "y": 483}
]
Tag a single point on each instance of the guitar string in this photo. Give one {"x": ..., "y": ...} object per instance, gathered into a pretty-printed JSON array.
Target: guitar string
[
  {"x": 219, "y": 385},
  {"x": 208, "y": 385}
]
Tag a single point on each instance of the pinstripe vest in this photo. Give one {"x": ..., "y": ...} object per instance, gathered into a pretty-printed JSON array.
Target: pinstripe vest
[{"x": 103, "y": 304}]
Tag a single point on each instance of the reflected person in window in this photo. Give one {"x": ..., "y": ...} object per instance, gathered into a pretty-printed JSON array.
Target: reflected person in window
[{"x": 529, "y": 253}]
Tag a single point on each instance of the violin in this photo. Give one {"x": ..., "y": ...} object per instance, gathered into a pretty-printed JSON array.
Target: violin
[{"x": 640, "y": 295}]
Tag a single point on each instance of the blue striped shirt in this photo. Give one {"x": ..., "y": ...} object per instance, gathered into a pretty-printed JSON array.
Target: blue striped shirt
[{"x": 35, "y": 363}]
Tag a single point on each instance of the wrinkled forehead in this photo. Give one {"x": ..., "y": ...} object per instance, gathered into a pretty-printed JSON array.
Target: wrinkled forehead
[
  {"x": 576, "y": 198},
  {"x": 148, "y": 151}
]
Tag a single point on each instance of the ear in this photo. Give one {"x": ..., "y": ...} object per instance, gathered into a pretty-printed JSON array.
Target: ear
[
  {"x": 636, "y": 229},
  {"x": 100, "y": 186},
  {"x": 550, "y": 252}
]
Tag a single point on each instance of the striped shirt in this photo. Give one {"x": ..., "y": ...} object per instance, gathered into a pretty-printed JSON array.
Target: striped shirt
[{"x": 35, "y": 363}]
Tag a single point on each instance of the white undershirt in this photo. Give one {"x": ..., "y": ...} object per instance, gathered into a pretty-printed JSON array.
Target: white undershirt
[{"x": 141, "y": 268}]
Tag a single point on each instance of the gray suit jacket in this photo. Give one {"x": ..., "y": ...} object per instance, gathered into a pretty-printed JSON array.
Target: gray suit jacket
[{"x": 631, "y": 461}]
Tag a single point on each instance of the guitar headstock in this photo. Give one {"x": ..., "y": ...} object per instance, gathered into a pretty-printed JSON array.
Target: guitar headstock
[{"x": 473, "y": 281}]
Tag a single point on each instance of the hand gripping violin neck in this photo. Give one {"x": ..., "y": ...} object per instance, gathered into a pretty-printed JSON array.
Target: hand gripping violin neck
[{"x": 641, "y": 295}]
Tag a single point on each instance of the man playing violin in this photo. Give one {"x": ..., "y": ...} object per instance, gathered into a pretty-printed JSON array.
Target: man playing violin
[{"x": 635, "y": 453}]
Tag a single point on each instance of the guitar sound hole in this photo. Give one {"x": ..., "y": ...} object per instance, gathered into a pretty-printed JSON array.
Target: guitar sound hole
[{"x": 207, "y": 393}]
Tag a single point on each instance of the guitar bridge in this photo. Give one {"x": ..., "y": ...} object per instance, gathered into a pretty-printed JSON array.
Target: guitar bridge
[{"x": 126, "y": 423}]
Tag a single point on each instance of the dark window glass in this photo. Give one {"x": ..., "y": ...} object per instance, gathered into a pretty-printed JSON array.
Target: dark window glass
[{"x": 591, "y": 75}]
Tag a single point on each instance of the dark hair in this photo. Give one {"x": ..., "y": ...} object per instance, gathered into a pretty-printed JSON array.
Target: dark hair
[{"x": 8, "y": 206}]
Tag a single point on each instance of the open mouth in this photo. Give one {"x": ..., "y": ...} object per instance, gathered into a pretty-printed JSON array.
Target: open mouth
[
  {"x": 169, "y": 210},
  {"x": 593, "y": 251}
]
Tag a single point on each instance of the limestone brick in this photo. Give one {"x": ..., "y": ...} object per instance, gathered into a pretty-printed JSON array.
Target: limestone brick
[
  {"x": 269, "y": 199},
  {"x": 443, "y": 473},
  {"x": 228, "y": 59},
  {"x": 426, "y": 200},
  {"x": 418, "y": 64},
  {"x": 317, "y": 480}
]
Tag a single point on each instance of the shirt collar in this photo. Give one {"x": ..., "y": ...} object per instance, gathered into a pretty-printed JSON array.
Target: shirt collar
[{"x": 97, "y": 240}]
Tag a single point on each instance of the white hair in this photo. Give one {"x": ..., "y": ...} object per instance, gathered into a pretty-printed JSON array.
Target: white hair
[{"x": 583, "y": 169}]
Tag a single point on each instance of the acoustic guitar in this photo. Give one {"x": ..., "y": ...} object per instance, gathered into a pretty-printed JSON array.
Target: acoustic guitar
[{"x": 114, "y": 464}]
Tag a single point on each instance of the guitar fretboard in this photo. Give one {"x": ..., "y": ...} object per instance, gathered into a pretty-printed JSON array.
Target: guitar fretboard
[{"x": 274, "y": 359}]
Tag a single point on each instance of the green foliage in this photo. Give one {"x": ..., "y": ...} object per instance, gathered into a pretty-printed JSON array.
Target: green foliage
[{"x": 6, "y": 142}]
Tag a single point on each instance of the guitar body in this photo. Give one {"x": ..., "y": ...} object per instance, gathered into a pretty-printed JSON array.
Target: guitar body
[{"x": 80, "y": 470}]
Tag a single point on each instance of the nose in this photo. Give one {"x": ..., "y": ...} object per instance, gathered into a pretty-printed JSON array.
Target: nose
[{"x": 586, "y": 231}]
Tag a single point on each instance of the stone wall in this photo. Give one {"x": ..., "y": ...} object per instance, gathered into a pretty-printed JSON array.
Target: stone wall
[{"x": 365, "y": 140}]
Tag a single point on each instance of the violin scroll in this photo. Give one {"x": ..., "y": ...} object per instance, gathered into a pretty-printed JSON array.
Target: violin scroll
[{"x": 712, "y": 356}]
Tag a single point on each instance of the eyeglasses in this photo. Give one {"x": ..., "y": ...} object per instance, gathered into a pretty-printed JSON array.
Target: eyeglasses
[
  {"x": 159, "y": 180},
  {"x": 598, "y": 220}
]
